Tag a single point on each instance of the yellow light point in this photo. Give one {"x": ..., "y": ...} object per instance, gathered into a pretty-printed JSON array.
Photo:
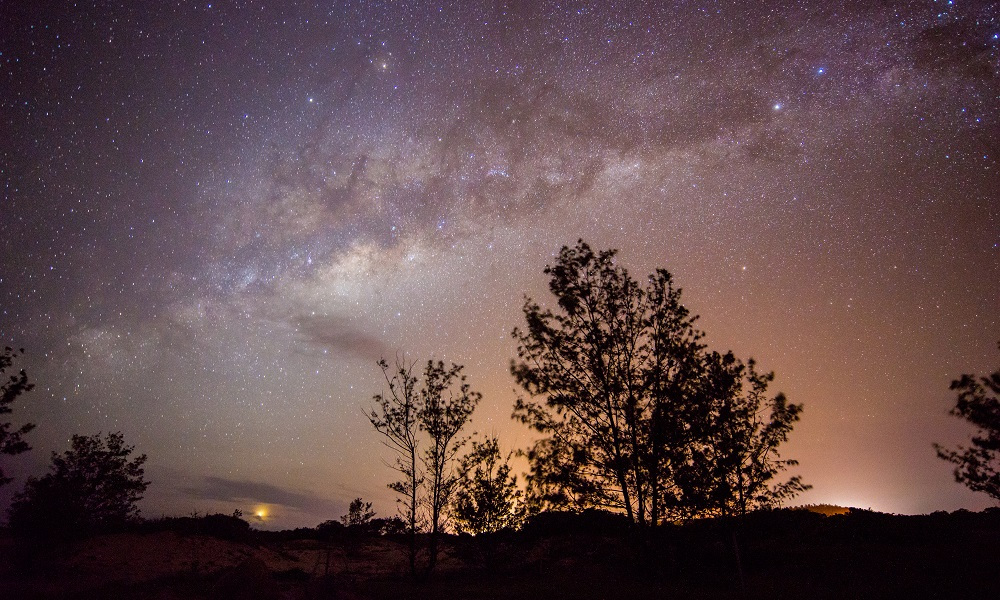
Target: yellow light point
[{"x": 261, "y": 513}]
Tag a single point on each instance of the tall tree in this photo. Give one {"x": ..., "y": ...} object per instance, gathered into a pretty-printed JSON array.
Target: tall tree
[
  {"x": 92, "y": 486},
  {"x": 580, "y": 360},
  {"x": 736, "y": 459},
  {"x": 11, "y": 440},
  {"x": 431, "y": 409},
  {"x": 396, "y": 417},
  {"x": 629, "y": 401},
  {"x": 978, "y": 402},
  {"x": 447, "y": 403}
]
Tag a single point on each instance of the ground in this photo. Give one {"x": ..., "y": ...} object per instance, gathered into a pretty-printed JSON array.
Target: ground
[{"x": 788, "y": 554}]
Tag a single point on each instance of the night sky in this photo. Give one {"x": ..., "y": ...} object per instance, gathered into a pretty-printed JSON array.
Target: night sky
[{"x": 217, "y": 216}]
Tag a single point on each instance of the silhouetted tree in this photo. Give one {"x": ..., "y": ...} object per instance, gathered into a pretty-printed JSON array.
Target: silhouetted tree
[
  {"x": 637, "y": 416},
  {"x": 359, "y": 514},
  {"x": 978, "y": 402},
  {"x": 439, "y": 404},
  {"x": 444, "y": 411},
  {"x": 396, "y": 417},
  {"x": 329, "y": 529},
  {"x": 11, "y": 441},
  {"x": 734, "y": 461},
  {"x": 92, "y": 486},
  {"x": 487, "y": 499},
  {"x": 389, "y": 526}
]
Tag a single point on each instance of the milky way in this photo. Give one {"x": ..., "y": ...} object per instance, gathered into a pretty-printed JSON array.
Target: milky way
[{"x": 217, "y": 216}]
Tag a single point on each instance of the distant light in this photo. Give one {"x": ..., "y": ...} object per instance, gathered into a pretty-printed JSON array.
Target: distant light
[
  {"x": 821, "y": 70},
  {"x": 311, "y": 100},
  {"x": 777, "y": 106}
]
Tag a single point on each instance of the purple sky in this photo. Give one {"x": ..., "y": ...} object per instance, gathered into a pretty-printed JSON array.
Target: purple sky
[{"x": 217, "y": 216}]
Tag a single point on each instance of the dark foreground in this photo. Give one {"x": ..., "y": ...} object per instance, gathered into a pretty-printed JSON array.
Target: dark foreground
[{"x": 783, "y": 554}]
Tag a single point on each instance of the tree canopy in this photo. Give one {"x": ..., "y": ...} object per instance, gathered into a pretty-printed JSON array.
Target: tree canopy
[
  {"x": 487, "y": 499},
  {"x": 11, "y": 439},
  {"x": 636, "y": 414},
  {"x": 420, "y": 418},
  {"x": 92, "y": 486},
  {"x": 978, "y": 402},
  {"x": 359, "y": 514}
]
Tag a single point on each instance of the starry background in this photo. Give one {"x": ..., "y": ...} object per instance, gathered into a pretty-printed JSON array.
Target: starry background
[{"x": 217, "y": 216}]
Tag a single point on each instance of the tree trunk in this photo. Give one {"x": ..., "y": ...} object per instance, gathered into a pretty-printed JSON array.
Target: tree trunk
[{"x": 413, "y": 513}]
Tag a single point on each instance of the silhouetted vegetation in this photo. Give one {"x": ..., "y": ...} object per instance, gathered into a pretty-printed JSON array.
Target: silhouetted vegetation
[
  {"x": 93, "y": 486},
  {"x": 438, "y": 405},
  {"x": 978, "y": 402},
  {"x": 487, "y": 499},
  {"x": 444, "y": 412},
  {"x": 396, "y": 417},
  {"x": 359, "y": 514},
  {"x": 636, "y": 415},
  {"x": 640, "y": 423},
  {"x": 11, "y": 440},
  {"x": 592, "y": 554},
  {"x": 224, "y": 527},
  {"x": 330, "y": 529},
  {"x": 388, "y": 526}
]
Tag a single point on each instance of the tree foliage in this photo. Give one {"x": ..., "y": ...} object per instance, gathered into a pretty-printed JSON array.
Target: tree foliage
[
  {"x": 978, "y": 402},
  {"x": 11, "y": 440},
  {"x": 447, "y": 402},
  {"x": 487, "y": 499},
  {"x": 636, "y": 414},
  {"x": 92, "y": 486},
  {"x": 359, "y": 514},
  {"x": 396, "y": 417},
  {"x": 733, "y": 464},
  {"x": 420, "y": 419}
]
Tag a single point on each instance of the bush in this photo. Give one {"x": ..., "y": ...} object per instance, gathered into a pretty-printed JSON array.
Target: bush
[{"x": 91, "y": 487}]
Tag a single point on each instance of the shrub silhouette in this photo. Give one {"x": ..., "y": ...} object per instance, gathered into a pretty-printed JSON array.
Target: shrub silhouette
[
  {"x": 221, "y": 526},
  {"x": 91, "y": 487},
  {"x": 486, "y": 499},
  {"x": 359, "y": 515}
]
